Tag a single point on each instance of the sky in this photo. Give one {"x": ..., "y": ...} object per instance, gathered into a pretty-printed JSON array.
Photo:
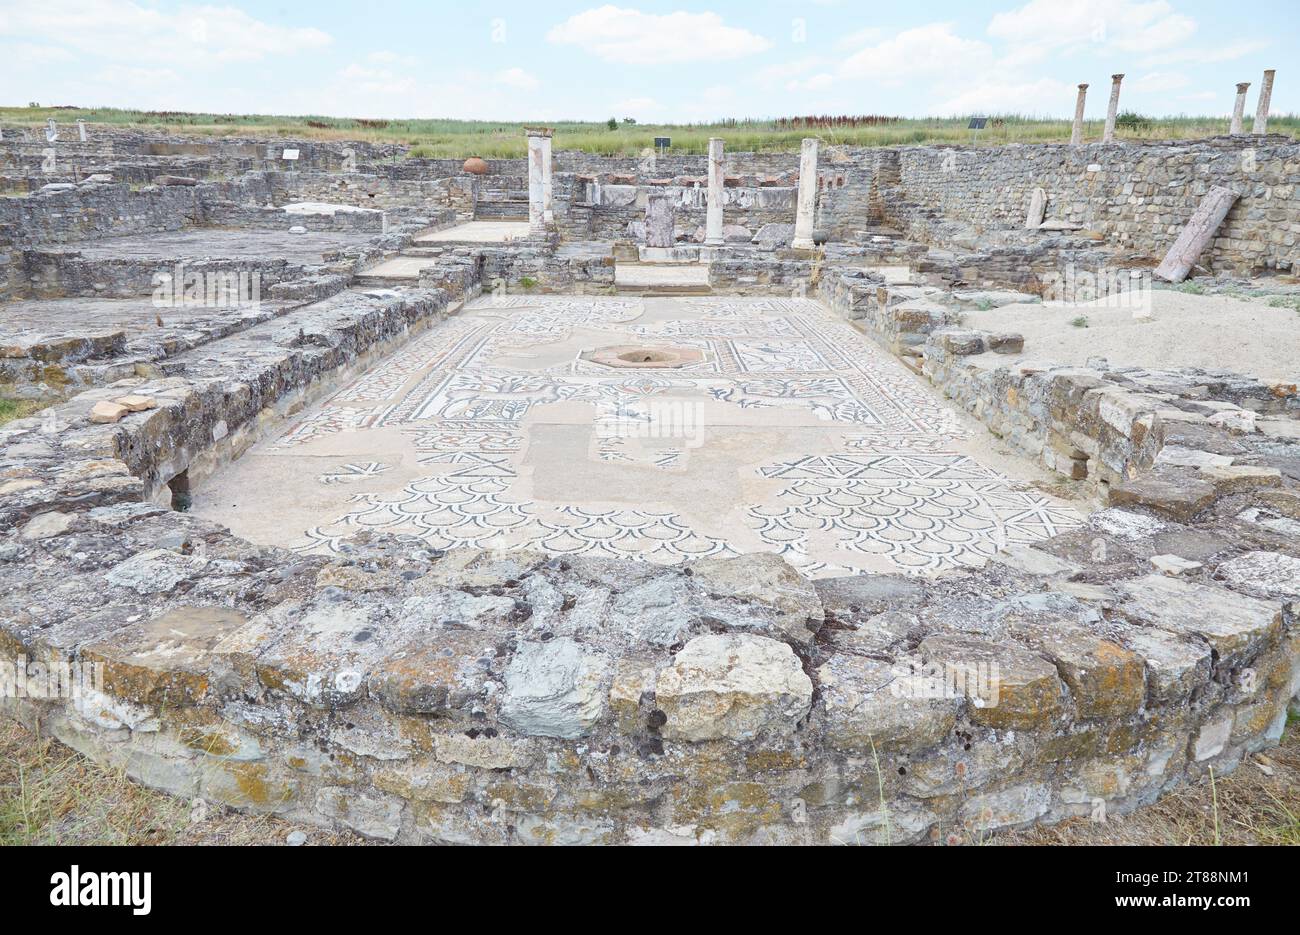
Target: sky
[{"x": 655, "y": 62}]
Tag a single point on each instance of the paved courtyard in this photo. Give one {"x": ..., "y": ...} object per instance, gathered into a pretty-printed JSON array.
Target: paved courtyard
[
  {"x": 478, "y": 232},
  {"x": 655, "y": 428}
]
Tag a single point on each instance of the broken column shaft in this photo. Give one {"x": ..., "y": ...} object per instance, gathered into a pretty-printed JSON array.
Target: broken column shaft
[
  {"x": 713, "y": 217},
  {"x": 1108, "y": 135},
  {"x": 806, "y": 206},
  {"x": 1239, "y": 108},
  {"x": 1076, "y": 132},
  {"x": 1261, "y": 109}
]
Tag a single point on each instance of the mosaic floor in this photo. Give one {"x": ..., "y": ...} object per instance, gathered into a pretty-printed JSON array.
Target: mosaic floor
[{"x": 781, "y": 429}]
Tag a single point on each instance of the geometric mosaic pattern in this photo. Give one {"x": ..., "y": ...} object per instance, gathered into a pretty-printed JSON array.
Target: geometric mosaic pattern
[{"x": 883, "y": 489}]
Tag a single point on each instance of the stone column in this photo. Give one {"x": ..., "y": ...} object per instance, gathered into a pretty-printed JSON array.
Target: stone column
[
  {"x": 81, "y": 130},
  {"x": 1076, "y": 132},
  {"x": 1261, "y": 109},
  {"x": 1108, "y": 135},
  {"x": 1197, "y": 235},
  {"x": 806, "y": 206},
  {"x": 548, "y": 166},
  {"x": 537, "y": 139},
  {"x": 713, "y": 217},
  {"x": 1239, "y": 108}
]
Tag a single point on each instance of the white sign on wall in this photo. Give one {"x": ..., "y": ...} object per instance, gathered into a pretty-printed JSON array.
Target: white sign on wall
[{"x": 291, "y": 154}]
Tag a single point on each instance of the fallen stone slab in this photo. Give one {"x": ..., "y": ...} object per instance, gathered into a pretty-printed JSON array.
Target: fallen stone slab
[{"x": 1174, "y": 495}]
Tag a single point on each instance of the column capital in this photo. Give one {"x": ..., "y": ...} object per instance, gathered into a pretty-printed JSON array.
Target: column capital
[
  {"x": 1083, "y": 86},
  {"x": 1243, "y": 87},
  {"x": 540, "y": 131},
  {"x": 1119, "y": 77}
]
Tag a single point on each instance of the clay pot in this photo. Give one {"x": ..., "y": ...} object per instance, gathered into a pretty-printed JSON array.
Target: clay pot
[{"x": 475, "y": 165}]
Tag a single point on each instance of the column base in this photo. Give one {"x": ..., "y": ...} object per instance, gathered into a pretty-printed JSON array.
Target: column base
[
  {"x": 802, "y": 243},
  {"x": 713, "y": 241}
]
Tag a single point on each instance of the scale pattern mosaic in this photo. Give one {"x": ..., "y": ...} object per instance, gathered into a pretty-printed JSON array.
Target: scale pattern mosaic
[{"x": 886, "y": 487}]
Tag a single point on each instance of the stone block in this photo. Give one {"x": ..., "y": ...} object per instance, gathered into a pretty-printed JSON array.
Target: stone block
[
  {"x": 1026, "y": 691},
  {"x": 733, "y": 686}
]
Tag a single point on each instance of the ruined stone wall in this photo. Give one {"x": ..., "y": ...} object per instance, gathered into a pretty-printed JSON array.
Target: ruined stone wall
[
  {"x": 91, "y": 210},
  {"x": 420, "y": 696},
  {"x": 1138, "y": 194}
]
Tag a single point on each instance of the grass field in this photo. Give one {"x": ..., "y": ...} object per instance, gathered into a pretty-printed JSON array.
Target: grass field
[{"x": 459, "y": 138}]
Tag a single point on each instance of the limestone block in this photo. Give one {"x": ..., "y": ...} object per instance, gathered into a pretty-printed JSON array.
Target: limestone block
[
  {"x": 1027, "y": 692},
  {"x": 167, "y": 660},
  {"x": 1173, "y": 495},
  {"x": 765, "y": 578},
  {"x": 106, "y": 411},
  {"x": 735, "y": 686},
  {"x": 874, "y": 705},
  {"x": 1234, "y": 478},
  {"x": 438, "y": 673},
  {"x": 1176, "y": 665},
  {"x": 1235, "y": 625},
  {"x": 555, "y": 689},
  {"x": 1105, "y": 679}
]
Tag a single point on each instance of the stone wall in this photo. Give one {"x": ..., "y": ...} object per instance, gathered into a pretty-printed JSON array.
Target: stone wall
[
  {"x": 92, "y": 210},
  {"x": 1140, "y": 195},
  {"x": 473, "y": 697}
]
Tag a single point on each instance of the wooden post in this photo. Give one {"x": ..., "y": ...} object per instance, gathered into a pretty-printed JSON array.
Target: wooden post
[{"x": 1198, "y": 233}]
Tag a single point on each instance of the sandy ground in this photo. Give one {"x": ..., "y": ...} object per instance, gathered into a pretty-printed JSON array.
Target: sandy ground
[{"x": 1185, "y": 330}]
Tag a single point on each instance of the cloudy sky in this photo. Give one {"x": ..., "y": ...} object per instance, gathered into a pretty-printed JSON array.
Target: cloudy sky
[{"x": 675, "y": 61}]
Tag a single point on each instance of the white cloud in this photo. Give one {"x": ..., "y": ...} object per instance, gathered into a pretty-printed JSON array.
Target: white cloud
[
  {"x": 388, "y": 57},
  {"x": 517, "y": 78},
  {"x": 1159, "y": 81},
  {"x": 1043, "y": 97},
  {"x": 25, "y": 53},
  {"x": 121, "y": 30},
  {"x": 1227, "y": 52},
  {"x": 377, "y": 80},
  {"x": 861, "y": 37},
  {"x": 817, "y": 82},
  {"x": 1043, "y": 27},
  {"x": 931, "y": 50},
  {"x": 631, "y": 37},
  {"x": 779, "y": 73}
]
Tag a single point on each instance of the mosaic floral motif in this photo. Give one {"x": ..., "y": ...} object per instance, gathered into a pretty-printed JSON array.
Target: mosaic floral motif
[{"x": 354, "y": 472}]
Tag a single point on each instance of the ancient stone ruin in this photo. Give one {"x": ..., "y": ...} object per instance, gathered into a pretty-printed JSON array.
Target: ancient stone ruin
[{"x": 680, "y": 499}]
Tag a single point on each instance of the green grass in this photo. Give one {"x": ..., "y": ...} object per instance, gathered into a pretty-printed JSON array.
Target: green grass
[
  {"x": 1285, "y": 301},
  {"x": 11, "y": 409},
  {"x": 501, "y": 139}
]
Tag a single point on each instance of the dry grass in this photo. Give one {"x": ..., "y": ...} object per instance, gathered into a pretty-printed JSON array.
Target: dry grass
[{"x": 50, "y": 794}]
